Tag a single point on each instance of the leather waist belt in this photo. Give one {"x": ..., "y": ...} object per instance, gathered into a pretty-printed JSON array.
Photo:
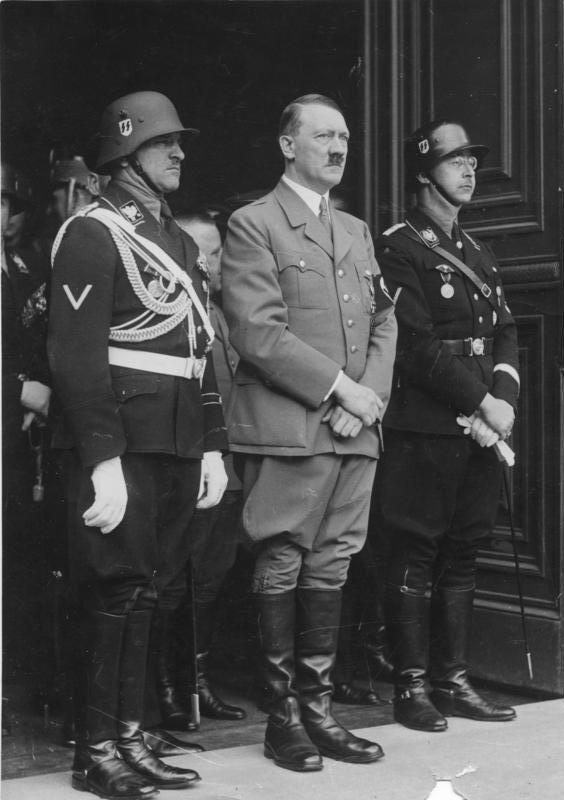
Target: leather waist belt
[
  {"x": 156, "y": 362},
  {"x": 469, "y": 346}
]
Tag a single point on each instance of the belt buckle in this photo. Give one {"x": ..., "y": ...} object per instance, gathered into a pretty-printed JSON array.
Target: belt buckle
[{"x": 478, "y": 347}]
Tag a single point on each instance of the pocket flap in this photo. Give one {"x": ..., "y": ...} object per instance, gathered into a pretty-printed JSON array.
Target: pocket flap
[{"x": 127, "y": 386}]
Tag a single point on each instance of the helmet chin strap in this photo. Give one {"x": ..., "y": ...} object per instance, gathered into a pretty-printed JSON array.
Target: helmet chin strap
[
  {"x": 441, "y": 190},
  {"x": 134, "y": 161}
]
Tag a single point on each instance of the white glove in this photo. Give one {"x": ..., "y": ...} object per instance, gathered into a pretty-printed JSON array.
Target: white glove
[
  {"x": 213, "y": 480},
  {"x": 110, "y": 500}
]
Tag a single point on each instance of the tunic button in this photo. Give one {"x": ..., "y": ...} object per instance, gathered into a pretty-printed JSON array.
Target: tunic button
[
  {"x": 346, "y": 298},
  {"x": 350, "y": 323},
  {"x": 199, "y": 329},
  {"x": 340, "y": 273},
  {"x": 480, "y": 320},
  {"x": 476, "y": 296},
  {"x": 354, "y": 348},
  {"x": 302, "y": 262}
]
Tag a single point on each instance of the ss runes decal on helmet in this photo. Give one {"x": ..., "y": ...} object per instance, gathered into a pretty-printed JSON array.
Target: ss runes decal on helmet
[{"x": 125, "y": 127}]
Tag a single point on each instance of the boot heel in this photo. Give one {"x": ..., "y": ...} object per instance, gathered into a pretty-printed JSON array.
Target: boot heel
[
  {"x": 267, "y": 752},
  {"x": 78, "y": 782}
]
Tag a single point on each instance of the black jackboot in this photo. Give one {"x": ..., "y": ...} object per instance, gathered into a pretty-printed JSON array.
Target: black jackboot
[
  {"x": 318, "y": 618},
  {"x": 131, "y": 745},
  {"x": 97, "y": 768},
  {"x": 451, "y": 618},
  {"x": 345, "y": 690},
  {"x": 407, "y": 632},
  {"x": 210, "y": 704},
  {"x": 174, "y": 715},
  {"x": 285, "y": 740},
  {"x": 375, "y": 648}
]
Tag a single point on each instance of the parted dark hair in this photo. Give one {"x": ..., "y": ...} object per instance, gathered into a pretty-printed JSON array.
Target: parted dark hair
[{"x": 290, "y": 119}]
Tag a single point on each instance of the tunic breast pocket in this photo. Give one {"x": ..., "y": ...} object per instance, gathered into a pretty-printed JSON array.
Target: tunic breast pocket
[{"x": 302, "y": 280}]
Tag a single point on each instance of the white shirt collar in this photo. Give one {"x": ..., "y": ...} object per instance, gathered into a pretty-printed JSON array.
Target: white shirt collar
[{"x": 310, "y": 198}]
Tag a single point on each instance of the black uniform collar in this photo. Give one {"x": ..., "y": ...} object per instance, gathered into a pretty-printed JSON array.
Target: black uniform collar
[
  {"x": 432, "y": 235},
  {"x": 119, "y": 199}
]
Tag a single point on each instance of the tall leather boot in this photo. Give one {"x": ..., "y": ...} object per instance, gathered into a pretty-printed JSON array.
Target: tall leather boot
[
  {"x": 285, "y": 740},
  {"x": 318, "y": 618},
  {"x": 375, "y": 643},
  {"x": 453, "y": 695},
  {"x": 210, "y": 704},
  {"x": 131, "y": 744},
  {"x": 174, "y": 714},
  {"x": 407, "y": 633},
  {"x": 97, "y": 767},
  {"x": 345, "y": 690}
]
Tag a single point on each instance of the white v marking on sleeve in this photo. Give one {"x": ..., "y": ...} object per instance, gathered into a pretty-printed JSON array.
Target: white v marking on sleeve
[{"x": 72, "y": 299}]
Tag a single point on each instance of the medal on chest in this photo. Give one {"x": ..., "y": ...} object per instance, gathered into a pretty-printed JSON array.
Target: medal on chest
[{"x": 447, "y": 289}]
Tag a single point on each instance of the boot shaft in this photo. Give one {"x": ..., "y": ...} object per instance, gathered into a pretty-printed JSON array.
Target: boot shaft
[
  {"x": 451, "y": 622},
  {"x": 408, "y": 637},
  {"x": 276, "y": 623},
  {"x": 97, "y": 701}
]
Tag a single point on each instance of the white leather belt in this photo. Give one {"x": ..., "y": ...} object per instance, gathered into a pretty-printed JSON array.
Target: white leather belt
[{"x": 157, "y": 362}]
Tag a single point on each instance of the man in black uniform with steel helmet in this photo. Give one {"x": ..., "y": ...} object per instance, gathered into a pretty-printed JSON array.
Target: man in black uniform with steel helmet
[
  {"x": 128, "y": 347},
  {"x": 437, "y": 489}
]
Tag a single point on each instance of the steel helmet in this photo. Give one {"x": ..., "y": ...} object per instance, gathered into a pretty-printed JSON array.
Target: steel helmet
[
  {"x": 17, "y": 187},
  {"x": 130, "y": 121},
  {"x": 67, "y": 170},
  {"x": 433, "y": 142}
]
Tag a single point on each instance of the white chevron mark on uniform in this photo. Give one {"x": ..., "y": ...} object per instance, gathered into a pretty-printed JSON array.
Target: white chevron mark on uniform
[{"x": 72, "y": 299}]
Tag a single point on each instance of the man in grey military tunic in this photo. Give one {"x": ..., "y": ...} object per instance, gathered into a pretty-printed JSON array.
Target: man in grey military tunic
[{"x": 310, "y": 318}]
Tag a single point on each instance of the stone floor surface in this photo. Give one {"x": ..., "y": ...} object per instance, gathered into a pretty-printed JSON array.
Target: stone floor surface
[{"x": 519, "y": 760}]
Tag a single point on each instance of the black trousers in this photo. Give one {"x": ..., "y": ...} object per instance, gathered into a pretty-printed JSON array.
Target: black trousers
[
  {"x": 436, "y": 501},
  {"x": 136, "y": 564}
]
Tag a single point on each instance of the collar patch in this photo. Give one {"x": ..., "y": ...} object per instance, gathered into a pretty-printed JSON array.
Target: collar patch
[
  {"x": 132, "y": 213},
  {"x": 429, "y": 237}
]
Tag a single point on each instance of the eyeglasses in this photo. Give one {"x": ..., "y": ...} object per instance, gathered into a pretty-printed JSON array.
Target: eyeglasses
[{"x": 461, "y": 161}]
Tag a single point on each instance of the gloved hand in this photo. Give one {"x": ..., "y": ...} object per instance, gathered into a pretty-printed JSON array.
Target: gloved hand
[
  {"x": 212, "y": 481},
  {"x": 110, "y": 501}
]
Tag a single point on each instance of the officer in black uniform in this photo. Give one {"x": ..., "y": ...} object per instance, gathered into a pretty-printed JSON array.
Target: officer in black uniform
[
  {"x": 129, "y": 345},
  {"x": 26, "y": 397},
  {"x": 438, "y": 489}
]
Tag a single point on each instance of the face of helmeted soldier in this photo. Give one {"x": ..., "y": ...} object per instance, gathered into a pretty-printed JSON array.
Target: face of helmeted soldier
[
  {"x": 456, "y": 175},
  {"x": 161, "y": 159}
]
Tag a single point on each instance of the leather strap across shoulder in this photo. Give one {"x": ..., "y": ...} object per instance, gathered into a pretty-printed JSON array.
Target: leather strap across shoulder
[{"x": 456, "y": 262}]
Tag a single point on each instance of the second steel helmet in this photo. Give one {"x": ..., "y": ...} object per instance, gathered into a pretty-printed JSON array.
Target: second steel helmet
[
  {"x": 65, "y": 170},
  {"x": 435, "y": 141},
  {"x": 17, "y": 187},
  {"x": 133, "y": 119}
]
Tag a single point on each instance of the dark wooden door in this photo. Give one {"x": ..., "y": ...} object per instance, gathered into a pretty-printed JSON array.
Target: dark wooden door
[{"x": 496, "y": 66}]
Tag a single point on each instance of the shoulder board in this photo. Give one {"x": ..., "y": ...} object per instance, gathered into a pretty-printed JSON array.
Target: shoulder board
[{"x": 394, "y": 228}]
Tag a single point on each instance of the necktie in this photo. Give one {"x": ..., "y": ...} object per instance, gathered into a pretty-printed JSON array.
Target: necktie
[{"x": 324, "y": 217}]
